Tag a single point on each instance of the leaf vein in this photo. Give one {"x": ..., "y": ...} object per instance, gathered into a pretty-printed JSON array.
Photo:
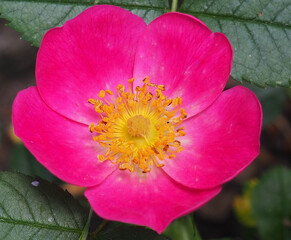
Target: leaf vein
[
  {"x": 252, "y": 37},
  {"x": 91, "y": 3},
  {"x": 232, "y": 18},
  {"x": 39, "y": 225},
  {"x": 7, "y": 233},
  {"x": 22, "y": 196},
  {"x": 65, "y": 15}
]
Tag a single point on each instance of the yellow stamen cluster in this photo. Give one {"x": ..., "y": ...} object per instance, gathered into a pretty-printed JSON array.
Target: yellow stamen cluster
[{"x": 139, "y": 127}]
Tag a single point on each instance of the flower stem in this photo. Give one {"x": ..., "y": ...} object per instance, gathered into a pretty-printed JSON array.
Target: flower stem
[
  {"x": 86, "y": 228},
  {"x": 99, "y": 228},
  {"x": 174, "y": 6}
]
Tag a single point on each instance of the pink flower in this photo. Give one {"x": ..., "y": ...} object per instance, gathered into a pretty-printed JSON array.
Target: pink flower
[{"x": 147, "y": 154}]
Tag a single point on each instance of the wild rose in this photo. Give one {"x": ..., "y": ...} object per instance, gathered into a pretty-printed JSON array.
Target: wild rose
[{"x": 136, "y": 113}]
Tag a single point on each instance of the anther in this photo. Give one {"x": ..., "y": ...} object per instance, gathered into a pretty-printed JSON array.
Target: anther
[
  {"x": 146, "y": 80},
  {"x": 151, "y": 84},
  {"x": 120, "y": 87},
  {"x": 130, "y": 80},
  {"x": 109, "y": 92},
  {"x": 161, "y": 87},
  {"x": 91, "y": 127},
  {"x": 102, "y": 94},
  {"x": 92, "y": 101}
]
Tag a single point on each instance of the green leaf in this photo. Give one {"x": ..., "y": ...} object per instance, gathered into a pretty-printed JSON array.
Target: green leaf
[
  {"x": 272, "y": 100},
  {"x": 271, "y": 204},
  {"x": 21, "y": 160},
  {"x": 259, "y": 31},
  {"x": 182, "y": 229},
  {"x": 34, "y": 17},
  {"x": 128, "y": 232},
  {"x": 31, "y": 208}
]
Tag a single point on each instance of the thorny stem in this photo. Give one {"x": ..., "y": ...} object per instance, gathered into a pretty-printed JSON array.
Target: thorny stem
[{"x": 174, "y": 6}]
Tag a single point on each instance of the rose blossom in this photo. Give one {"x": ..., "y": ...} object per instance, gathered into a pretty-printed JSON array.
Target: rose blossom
[{"x": 137, "y": 115}]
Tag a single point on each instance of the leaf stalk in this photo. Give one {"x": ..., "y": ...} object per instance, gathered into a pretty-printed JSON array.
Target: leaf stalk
[{"x": 174, "y": 6}]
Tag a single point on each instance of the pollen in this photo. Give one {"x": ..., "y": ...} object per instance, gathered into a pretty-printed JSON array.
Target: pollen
[{"x": 139, "y": 129}]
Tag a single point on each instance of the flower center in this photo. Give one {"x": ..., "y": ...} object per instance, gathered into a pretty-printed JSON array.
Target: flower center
[{"x": 140, "y": 128}]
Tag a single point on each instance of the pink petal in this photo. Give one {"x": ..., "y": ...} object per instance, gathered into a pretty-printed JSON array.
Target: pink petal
[
  {"x": 152, "y": 199},
  {"x": 179, "y": 51},
  {"x": 91, "y": 52},
  {"x": 63, "y": 146},
  {"x": 220, "y": 141}
]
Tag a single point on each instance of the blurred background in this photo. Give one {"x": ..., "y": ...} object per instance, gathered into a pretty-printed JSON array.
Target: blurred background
[{"x": 227, "y": 215}]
